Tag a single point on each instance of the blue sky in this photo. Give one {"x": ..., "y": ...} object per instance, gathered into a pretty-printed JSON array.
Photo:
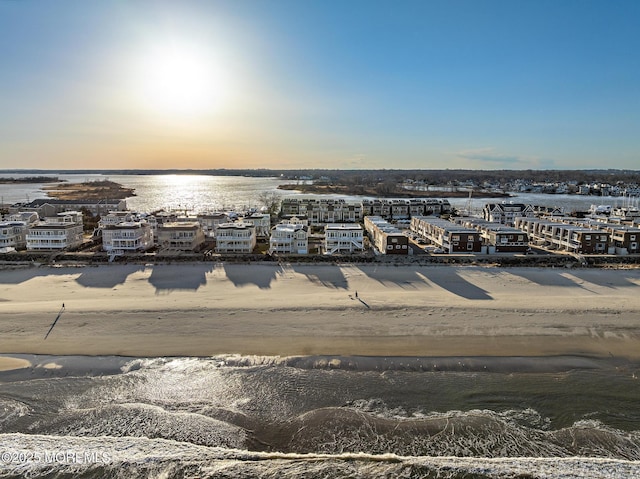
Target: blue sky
[{"x": 320, "y": 84}]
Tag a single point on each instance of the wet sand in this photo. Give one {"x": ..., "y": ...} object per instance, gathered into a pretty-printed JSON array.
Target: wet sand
[{"x": 209, "y": 309}]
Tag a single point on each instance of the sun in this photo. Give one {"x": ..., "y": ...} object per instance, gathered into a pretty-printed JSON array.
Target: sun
[{"x": 180, "y": 81}]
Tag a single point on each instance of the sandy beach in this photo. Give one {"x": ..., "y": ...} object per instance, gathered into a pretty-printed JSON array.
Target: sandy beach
[{"x": 208, "y": 309}]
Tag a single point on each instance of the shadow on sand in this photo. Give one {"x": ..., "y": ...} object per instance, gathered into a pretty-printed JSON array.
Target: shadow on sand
[
  {"x": 259, "y": 275},
  {"x": 54, "y": 322},
  {"x": 405, "y": 278},
  {"x": 327, "y": 275},
  {"x": 95, "y": 277},
  {"x": 184, "y": 277},
  {"x": 450, "y": 280}
]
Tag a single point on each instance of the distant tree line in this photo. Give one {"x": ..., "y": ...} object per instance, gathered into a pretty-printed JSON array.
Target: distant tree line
[{"x": 375, "y": 177}]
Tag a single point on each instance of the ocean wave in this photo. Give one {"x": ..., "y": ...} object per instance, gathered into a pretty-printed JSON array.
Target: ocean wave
[
  {"x": 459, "y": 433},
  {"x": 143, "y": 420},
  {"x": 115, "y": 457},
  {"x": 11, "y": 410},
  {"x": 379, "y": 363}
]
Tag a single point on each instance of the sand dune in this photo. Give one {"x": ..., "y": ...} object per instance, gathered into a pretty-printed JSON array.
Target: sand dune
[{"x": 206, "y": 309}]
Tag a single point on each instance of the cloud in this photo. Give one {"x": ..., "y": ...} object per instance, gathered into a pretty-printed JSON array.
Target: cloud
[
  {"x": 489, "y": 157},
  {"x": 358, "y": 160}
]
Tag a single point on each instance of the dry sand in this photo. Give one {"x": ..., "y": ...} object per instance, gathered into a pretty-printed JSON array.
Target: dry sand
[{"x": 208, "y": 309}]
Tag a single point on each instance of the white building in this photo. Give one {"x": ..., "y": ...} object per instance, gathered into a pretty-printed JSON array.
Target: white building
[
  {"x": 289, "y": 238},
  {"x": 506, "y": 213},
  {"x": 235, "y": 238},
  {"x": 127, "y": 236},
  {"x": 343, "y": 238},
  {"x": 56, "y": 233},
  {"x": 183, "y": 236},
  {"x": 210, "y": 222},
  {"x": 115, "y": 217},
  {"x": 262, "y": 222},
  {"x": 13, "y": 235}
]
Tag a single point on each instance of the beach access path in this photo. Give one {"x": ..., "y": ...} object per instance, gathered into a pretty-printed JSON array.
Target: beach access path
[{"x": 205, "y": 309}]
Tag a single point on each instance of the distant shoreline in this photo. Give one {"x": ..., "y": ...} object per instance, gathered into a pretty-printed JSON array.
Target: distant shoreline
[{"x": 355, "y": 191}]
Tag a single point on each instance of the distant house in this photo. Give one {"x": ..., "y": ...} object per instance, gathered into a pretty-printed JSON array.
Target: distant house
[
  {"x": 506, "y": 213},
  {"x": 235, "y": 237},
  {"x": 182, "y": 236},
  {"x": 323, "y": 211},
  {"x": 405, "y": 209},
  {"x": 343, "y": 238},
  {"x": 60, "y": 232},
  {"x": 386, "y": 238},
  {"x": 295, "y": 219},
  {"x": 289, "y": 238},
  {"x": 49, "y": 207},
  {"x": 261, "y": 221},
  {"x": 210, "y": 222},
  {"x": 115, "y": 217}
]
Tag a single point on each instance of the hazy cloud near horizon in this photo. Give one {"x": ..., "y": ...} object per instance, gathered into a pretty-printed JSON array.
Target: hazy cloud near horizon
[{"x": 489, "y": 158}]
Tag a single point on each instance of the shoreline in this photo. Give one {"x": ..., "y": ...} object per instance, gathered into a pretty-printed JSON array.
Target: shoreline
[{"x": 204, "y": 310}]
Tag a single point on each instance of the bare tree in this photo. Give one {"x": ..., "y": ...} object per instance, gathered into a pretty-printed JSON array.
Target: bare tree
[{"x": 270, "y": 200}]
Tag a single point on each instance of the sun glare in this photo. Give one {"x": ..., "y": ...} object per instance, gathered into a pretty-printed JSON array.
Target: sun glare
[{"x": 180, "y": 81}]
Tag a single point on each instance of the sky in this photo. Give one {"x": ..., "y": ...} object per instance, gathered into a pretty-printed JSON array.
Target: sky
[{"x": 428, "y": 84}]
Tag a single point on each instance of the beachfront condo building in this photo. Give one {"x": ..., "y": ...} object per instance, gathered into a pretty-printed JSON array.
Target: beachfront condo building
[
  {"x": 127, "y": 236},
  {"x": 497, "y": 237},
  {"x": 340, "y": 238},
  {"x": 558, "y": 235},
  {"x": 386, "y": 238},
  {"x": 56, "y": 233},
  {"x": 288, "y": 238},
  {"x": 181, "y": 236},
  {"x": 235, "y": 237},
  {"x": 444, "y": 234}
]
